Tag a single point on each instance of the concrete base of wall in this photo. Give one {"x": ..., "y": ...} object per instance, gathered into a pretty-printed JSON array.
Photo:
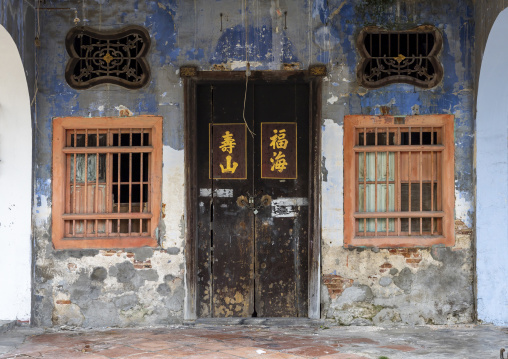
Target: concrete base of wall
[{"x": 6, "y": 325}]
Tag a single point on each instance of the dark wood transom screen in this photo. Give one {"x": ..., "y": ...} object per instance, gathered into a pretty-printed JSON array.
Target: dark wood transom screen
[
  {"x": 400, "y": 56},
  {"x": 400, "y": 176},
  {"x": 116, "y": 57},
  {"x": 111, "y": 183}
]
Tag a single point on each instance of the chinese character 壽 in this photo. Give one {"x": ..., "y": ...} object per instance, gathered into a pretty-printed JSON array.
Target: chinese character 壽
[{"x": 228, "y": 143}]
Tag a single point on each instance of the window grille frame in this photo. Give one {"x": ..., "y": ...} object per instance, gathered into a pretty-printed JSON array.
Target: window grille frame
[
  {"x": 432, "y": 57},
  {"x": 444, "y": 210},
  {"x": 64, "y": 206},
  {"x": 139, "y": 60}
]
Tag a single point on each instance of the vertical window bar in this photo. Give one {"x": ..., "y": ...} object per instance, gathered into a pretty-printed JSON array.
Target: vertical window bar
[
  {"x": 375, "y": 181},
  {"x": 96, "y": 194},
  {"x": 149, "y": 179},
  {"x": 130, "y": 180},
  {"x": 420, "y": 175},
  {"x": 432, "y": 181},
  {"x": 86, "y": 182},
  {"x": 74, "y": 185},
  {"x": 109, "y": 185},
  {"x": 141, "y": 176},
  {"x": 397, "y": 182},
  {"x": 387, "y": 178},
  {"x": 409, "y": 180},
  {"x": 365, "y": 181},
  {"x": 119, "y": 180}
]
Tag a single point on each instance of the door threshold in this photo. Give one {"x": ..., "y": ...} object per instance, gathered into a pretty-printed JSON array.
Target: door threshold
[{"x": 275, "y": 322}]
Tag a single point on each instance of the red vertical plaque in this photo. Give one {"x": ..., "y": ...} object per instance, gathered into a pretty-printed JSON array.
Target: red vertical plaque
[
  {"x": 228, "y": 151},
  {"x": 278, "y": 150}
]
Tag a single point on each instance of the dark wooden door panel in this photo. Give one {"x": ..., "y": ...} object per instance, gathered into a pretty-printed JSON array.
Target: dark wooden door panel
[
  {"x": 281, "y": 227},
  {"x": 253, "y": 258}
]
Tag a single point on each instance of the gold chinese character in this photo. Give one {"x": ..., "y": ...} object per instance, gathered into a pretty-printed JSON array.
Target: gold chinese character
[
  {"x": 228, "y": 168},
  {"x": 279, "y": 163},
  {"x": 279, "y": 140},
  {"x": 228, "y": 143}
]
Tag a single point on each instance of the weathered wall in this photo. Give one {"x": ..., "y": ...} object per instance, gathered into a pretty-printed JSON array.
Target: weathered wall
[{"x": 145, "y": 286}]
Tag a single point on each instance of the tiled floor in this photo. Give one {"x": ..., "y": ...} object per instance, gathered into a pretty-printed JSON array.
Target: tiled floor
[{"x": 207, "y": 341}]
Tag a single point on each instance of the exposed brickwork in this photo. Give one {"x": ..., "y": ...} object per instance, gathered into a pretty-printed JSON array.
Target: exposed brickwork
[
  {"x": 62, "y": 301},
  {"x": 413, "y": 255},
  {"x": 336, "y": 284},
  {"x": 142, "y": 265},
  {"x": 461, "y": 228},
  {"x": 384, "y": 267}
]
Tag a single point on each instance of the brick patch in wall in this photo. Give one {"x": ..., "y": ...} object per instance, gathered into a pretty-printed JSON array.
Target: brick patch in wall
[
  {"x": 461, "y": 228},
  {"x": 384, "y": 267},
  {"x": 62, "y": 301},
  {"x": 413, "y": 255},
  {"x": 142, "y": 265},
  {"x": 336, "y": 284}
]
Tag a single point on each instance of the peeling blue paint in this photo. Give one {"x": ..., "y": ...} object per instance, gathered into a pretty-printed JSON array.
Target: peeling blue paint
[
  {"x": 231, "y": 45},
  {"x": 161, "y": 21}
]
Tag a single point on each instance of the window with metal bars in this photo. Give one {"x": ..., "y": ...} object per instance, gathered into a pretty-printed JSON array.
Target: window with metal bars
[
  {"x": 106, "y": 181},
  {"x": 400, "y": 56},
  {"x": 116, "y": 57},
  {"x": 399, "y": 180}
]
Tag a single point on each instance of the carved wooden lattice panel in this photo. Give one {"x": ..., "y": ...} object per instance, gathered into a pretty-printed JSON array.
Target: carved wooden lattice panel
[
  {"x": 408, "y": 56},
  {"x": 116, "y": 57}
]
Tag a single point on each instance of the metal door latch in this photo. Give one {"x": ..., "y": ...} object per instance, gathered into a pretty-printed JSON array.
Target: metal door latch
[{"x": 249, "y": 202}]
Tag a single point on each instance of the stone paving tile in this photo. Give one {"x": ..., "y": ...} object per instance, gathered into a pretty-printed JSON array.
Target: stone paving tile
[
  {"x": 154, "y": 345},
  {"x": 248, "y": 352},
  {"x": 475, "y": 342},
  {"x": 403, "y": 348},
  {"x": 313, "y": 351}
]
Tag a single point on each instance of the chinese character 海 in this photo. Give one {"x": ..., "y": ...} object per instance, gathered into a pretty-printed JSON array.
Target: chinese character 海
[
  {"x": 228, "y": 143},
  {"x": 279, "y": 140},
  {"x": 278, "y": 162}
]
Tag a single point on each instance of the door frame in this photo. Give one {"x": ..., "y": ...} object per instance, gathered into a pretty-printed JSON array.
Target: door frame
[{"x": 191, "y": 78}]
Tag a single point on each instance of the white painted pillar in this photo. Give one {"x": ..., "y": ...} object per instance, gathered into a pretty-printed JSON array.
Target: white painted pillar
[
  {"x": 15, "y": 184},
  {"x": 492, "y": 178}
]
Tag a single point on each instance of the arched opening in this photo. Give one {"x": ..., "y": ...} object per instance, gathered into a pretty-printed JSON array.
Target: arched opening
[
  {"x": 492, "y": 178},
  {"x": 15, "y": 184}
]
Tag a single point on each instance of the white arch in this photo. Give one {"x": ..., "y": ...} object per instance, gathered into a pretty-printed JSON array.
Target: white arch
[
  {"x": 492, "y": 178},
  {"x": 15, "y": 184}
]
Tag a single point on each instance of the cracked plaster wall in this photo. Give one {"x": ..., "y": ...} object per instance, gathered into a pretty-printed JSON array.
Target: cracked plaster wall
[{"x": 145, "y": 286}]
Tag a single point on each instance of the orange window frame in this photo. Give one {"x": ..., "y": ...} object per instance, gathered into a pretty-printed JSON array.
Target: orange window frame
[
  {"x": 431, "y": 163},
  {"x": 101, "y": 222}
]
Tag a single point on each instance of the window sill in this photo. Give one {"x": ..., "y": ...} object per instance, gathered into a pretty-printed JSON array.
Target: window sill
[
  {"x": 399, "y": 242},
  {"x": 105, "y": 243}
]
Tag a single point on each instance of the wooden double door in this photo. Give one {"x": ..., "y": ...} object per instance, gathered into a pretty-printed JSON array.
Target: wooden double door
[{"x": 253, "y": 198}]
